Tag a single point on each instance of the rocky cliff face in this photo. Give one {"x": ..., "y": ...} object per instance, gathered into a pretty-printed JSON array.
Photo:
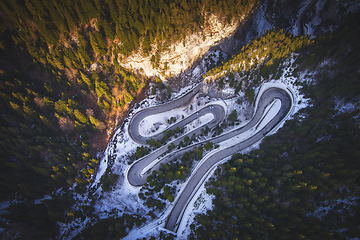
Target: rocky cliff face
[
  {"x": 181, "y": 55},
  {"x": 181, "y": 59}
]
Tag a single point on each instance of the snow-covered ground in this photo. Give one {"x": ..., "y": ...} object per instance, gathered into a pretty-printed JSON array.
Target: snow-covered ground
[
  {"x": 201, "y": 203},
  {"x": 290, "y": 82},
  {"x": 154, "y": 124},
  {"x": 3, "y": 206},
  {"x": 201, "y": 121},
  {"x": 348, "y": 107}
]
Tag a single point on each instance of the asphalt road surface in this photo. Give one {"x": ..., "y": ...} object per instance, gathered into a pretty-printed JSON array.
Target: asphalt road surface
[
  {"x": 139, "y": 116},
  {"x": 142, "y": 168},
  {"x": 195, "y": 180},
  {"x": 136, "y": 176}
]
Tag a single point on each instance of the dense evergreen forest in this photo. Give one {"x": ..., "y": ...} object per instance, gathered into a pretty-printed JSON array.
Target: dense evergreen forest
[
  {"x": 303, "y": 181},
  {"x": 62, "y": 89}
]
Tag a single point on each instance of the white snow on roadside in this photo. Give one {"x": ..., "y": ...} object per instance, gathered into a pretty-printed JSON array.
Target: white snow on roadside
[
  {"x": 201, "y": 121},
  {"x": 286, "y": 82},
  {"x": 270, "y": 113},
  {"x": 151, "y": 100},
  {"x": 124, "y": 144},
  {"x": 201, "y": 202},
  {"x": 101, "y": 169},
  {"x": 123, "y": 197},
  {"x": 229, "y": 91},
  {"x": 155, "y": 124},
  {"x": 289, "y": 81}
]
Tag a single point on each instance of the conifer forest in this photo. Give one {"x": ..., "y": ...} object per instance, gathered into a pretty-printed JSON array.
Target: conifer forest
[{"x": 66, "y": 92}]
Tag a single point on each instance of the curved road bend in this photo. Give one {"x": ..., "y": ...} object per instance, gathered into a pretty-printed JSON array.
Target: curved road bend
[
  {"x": 136, "y": 178},
  {"x": 139, "y": 116},
  {"x": 194, "y": 181},
  {"x": 136, "y": 175}
]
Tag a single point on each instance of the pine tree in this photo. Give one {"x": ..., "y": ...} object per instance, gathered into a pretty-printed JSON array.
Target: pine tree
[
  {"x": 84, "y": 57},
  {"x": 46, "y": 121},
  {"x": 94, "y": 44},
  {"x": 87, "y": 80},
  {"x": 70, "y": 20},
  {"x": 101, "y": 42},
  {"x": 107, "y": 29}
]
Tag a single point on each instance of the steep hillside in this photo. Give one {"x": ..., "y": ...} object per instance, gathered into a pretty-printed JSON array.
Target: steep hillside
[
  {"x": 71, "y": 71},
  {"x": 303, "y": 181},
  {"x": 63, "y": 90}
]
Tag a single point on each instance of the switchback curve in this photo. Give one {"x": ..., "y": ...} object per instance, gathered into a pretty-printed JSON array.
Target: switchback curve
[{"x": 137, "y": 177}]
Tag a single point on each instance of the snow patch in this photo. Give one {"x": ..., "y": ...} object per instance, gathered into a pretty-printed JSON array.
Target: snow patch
[
  {"x": 200, "y": 204},
  {"x": 348, "y": 107},
  {"x": 201, "y": 121},
  {"x": 155, "y": 124},
  {"x": 321, "y": 211},
  {"x": 270, "y": 113}
]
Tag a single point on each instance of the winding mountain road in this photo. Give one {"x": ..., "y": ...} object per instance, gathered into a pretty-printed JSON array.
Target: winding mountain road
[
  {"x": 139, "y": 116},
  {"x": 136, "y": 175},
  {"x": 142, "y": 168},
  {"x": 197, "y": 177}
]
